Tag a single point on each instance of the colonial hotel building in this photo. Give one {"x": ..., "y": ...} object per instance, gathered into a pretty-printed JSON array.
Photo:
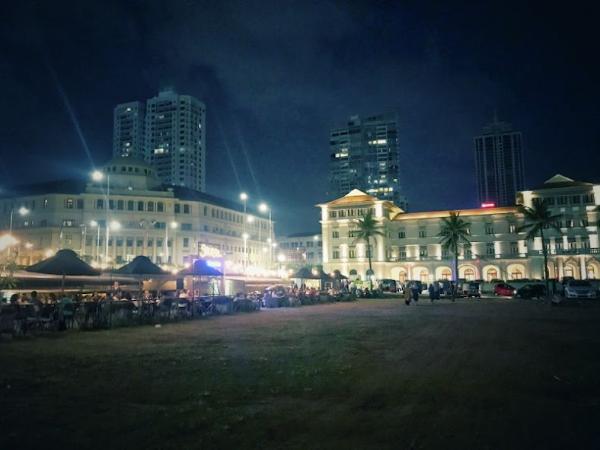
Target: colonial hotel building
[
  {"x": 166, "y": 223},
  {"x": 411, "y": 250}
]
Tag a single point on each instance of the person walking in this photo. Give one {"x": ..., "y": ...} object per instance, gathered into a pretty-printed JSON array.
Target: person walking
[
  {"x": 407, "y": 294},
  {"x": 431, "y": 291},
  {"x": 415, "y": 292}
]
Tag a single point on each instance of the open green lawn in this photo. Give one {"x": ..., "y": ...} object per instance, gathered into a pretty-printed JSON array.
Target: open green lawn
[{"x": 374, "y": 374}]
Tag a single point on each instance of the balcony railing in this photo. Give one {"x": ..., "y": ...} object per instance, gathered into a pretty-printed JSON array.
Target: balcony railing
[{"x": 530, "y": 253}]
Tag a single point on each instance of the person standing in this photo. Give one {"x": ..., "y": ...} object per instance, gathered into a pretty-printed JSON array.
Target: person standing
[
  {"x": 431, "y": 291},
  {"x": 407, "y": 294},
  {"x": 415, "y": 291}
]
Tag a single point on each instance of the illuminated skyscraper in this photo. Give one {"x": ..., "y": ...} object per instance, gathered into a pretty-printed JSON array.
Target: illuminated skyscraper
[
  {"x": 168, "y": 131},
  {"x": 499, "y": 163},
  {"x": 365, "y": 156},
  {"x": 175, "y": 139},
  {"x": 128, "y": 129}
]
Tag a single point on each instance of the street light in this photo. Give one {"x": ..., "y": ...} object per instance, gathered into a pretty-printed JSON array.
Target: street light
[
  {"x": 98, "y": 176},
  {"x": 263, "y": 208},
  {"x": 244, "y": 199},
  {"x": 172, "y": 225},
  {"x": 95, "y": 224},
  {"x": 245, "y": 237},
  {"x": 22, "y": 211}
]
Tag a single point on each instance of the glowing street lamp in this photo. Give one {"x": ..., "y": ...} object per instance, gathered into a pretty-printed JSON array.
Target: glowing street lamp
[
  {"x": 245, "y": 237},
  {"x": 115, "y": 225},
  {"x": 264, "y": 208},
  {"x": 95, "y": 224},
  {"x": 22, "y": 211},
  {"x": 173, "y": 226},
  {"x": 98, "y": 176}
]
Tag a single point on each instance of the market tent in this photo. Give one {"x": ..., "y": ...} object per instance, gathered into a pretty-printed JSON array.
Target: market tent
[
  {"x": 316, "y": 273},
  {"x": 142, "y": 266},
  {"x": 200, "y": 268},
  {"x": 66, "y": 263},
  {"x": 337, "y": 275}
]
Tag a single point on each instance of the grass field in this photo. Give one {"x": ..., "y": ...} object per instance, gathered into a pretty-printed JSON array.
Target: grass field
[{"x": 374, "y": 374}]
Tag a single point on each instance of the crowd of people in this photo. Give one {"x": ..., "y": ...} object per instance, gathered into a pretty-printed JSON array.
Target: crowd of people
[{"x": 26, "y": 312}]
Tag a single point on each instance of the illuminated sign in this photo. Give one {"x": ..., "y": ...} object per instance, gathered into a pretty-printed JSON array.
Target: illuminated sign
[
  {"x": 214, "y": 263},
  {"x": 488, "y": 205},
  {"x": 205, "y": 251}
]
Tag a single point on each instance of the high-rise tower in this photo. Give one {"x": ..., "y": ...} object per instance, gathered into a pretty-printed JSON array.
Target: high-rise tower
[
  {"x": 128, "y": 129},
  {"x": 175, "y": 139},
  {"x": 365, "y": 156},
  {"x": 499, "y": 163}
]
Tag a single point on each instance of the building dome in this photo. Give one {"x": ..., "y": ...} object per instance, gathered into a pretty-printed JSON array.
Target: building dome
[
  {"x": 127, "y": 165},
  {"x": 129, "y": 173}
]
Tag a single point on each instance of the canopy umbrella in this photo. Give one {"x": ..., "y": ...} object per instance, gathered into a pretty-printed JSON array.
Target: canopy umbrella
[
  {"x": 316, "y": 273},
  {"x": 337, "y": 275},
  {"x": 303, "y": 273},
  {"x": 141, "y": 267},
  {"x": 200, "y": 268},
  {"x": 66, "y": 263}
]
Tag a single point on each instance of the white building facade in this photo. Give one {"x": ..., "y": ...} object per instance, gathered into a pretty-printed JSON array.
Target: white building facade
[
  {"x": 411, "y": 249},
  {"x": 302, "y": 249},
  {"x": 169, "y": 224}
]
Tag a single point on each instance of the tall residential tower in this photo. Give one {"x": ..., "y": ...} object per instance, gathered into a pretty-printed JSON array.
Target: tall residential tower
[
  {"x": 365, "y": 156},
  {"x": 175, "y": 139},
  {"x": 499, "y": 163},
  {"x": 128, "y": 129},
  {"x": 168, "y": 131}
]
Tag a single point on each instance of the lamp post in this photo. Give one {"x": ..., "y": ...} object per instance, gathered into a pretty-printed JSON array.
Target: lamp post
[
  {"x": 263, "y": 207},
  {"x": 173, "y": 225},
  {"x": 83, "y": 238},
  {"x": 22, "y": 211},
  {"x": 245, "y": 238},
  {"x": 244, "y": 199},
  {"x": 97, "y": 175},
  {"x": 95, "y": 224},
  {"x": 113, "y": 226}
]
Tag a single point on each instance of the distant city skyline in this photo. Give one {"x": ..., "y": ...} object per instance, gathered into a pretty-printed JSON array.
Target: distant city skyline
[{"x": 276, "y": 80}]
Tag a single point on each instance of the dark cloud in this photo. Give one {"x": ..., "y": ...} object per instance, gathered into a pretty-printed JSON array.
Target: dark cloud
[{"x": 276, "y": 76}]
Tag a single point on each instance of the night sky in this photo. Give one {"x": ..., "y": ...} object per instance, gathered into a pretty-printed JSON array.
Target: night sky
[{"x": 276, "y": 76}]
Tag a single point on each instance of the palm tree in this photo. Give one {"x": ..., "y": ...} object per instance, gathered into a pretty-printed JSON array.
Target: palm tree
[
  {"x": 454, "y": 231},
  {"x": 368, "y": 228},
  {"x": 538, "y": 217}
]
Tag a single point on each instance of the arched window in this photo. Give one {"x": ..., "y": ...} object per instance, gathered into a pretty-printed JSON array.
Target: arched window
[
  {"x": 424, "y": 276},
  {"x": 568, "y": 271},
  {"x": 591, "y": 272},
  {"x": 491, "y": 274},
  {"x": 353, "y": 272},
  {"x": 516, "y": 274},
  {"x": 402, "y": 276},
  {"x": 446, "y": 274},
  {"x": 469, "y": 274}
]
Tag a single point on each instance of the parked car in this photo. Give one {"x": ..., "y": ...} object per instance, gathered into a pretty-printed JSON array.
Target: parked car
[
  {"x": 579, "y": 289},
  {"x": 474, "y": 289},
  {"x": 504, "y": 289},
  {"x": 531, "y": 291},
  {"x": 388, "y": 285}
]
